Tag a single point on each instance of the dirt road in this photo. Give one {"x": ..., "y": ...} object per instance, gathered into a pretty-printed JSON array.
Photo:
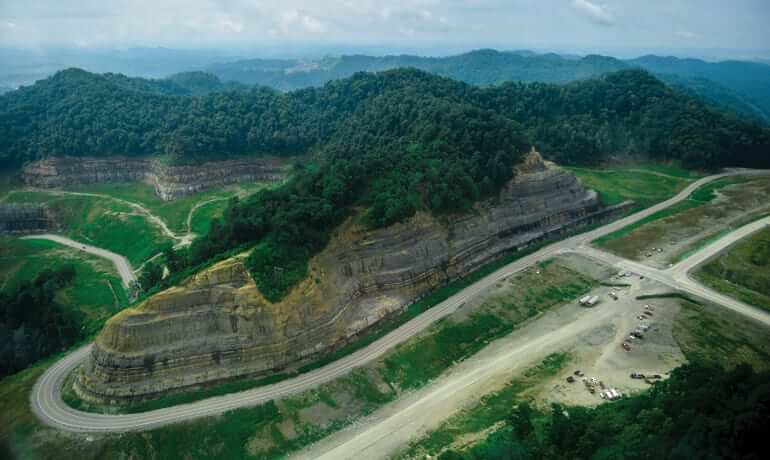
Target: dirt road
[{"x": 120, "y": 262}]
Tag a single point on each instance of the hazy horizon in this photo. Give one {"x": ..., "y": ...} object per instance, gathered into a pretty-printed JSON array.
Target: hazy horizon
[{"x": 706, "y": 29}]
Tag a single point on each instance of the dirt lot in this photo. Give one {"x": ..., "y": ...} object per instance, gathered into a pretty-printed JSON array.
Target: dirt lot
[
  {"x": 600, "y": 354},
  {"x": 669, "y": 239}
]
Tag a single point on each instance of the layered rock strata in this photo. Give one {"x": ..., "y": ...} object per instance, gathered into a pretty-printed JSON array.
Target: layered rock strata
[
  {"x": 169, "y": 181},
  {"x": 216, "y": 325},
  {"x": 25, "y": 218}
]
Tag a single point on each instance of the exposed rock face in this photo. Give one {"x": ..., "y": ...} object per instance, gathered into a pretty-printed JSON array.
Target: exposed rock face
[
  {"x": 217, "y": 325},
  {"x": 25, "y": 218},
  {"x": 170, "y": 181}
]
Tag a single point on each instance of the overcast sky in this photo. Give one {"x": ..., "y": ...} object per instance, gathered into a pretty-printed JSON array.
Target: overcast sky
[{"x": 557, "y": 24}]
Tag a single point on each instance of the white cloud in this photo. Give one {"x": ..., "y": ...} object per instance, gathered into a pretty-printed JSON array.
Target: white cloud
[
  {"x": 232, "y": 26},
  {"x": 292, "y": 19},
  {"x": 596, "y": 13},
  {"x": 687, "y": 34}
]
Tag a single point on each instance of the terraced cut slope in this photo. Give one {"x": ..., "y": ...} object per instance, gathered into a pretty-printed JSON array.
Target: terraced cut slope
[
  {"x": 218, "y": 325},
  {"x": 743, "y": 271}
]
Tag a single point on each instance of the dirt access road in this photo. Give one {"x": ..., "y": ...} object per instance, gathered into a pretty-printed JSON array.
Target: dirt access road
[
  {"x": 120, "y": 262},
  {"x": 47, "y": 403}
]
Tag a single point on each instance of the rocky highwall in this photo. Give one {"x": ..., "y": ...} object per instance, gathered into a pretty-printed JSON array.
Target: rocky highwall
[
  {"x": 170, "y": 181},
  {"x": 20, "y": 218},
  {"x": 216, "y": 325}
]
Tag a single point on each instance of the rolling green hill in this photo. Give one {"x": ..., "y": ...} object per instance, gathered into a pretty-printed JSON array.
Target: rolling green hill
[
  {"x": 741, "y": 87},
  {"x": 747, "y": 80}
]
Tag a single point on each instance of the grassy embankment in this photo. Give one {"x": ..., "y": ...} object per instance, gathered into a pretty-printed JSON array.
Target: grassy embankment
[
  {"x": 476, "y": 422},
  {"x": 645, "y": 184},
  {"x": 696, "y": 221},
  {"x": 96, "y": 292},
  {"x": 717, "y": 336},
  {"x": 116, "y": 226},
  {"x": 173, "y": 213},
  {"x": 103, "y": 223},
  {"x": 743, "y": 271},
  {"x": 276, "y": 428},
  {"x": 205, "y": 214}
]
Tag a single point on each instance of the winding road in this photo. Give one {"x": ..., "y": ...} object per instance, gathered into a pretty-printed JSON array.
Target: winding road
[
  {"x": 47, "y": 403},
  {"x": 121, "y": 263}
]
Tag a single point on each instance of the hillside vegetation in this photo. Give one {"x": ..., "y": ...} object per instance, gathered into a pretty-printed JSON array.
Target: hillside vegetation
[
  {"x": 742, "y": 87},
  {"x": 699, "y": 412},
  {"x": 395, "y": 142},
  {"x": 743, "y": 271},
  {"x": 78, "y": 113}
]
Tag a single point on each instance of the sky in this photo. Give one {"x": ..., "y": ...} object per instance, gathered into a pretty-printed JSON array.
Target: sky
[{"x": 579, "y": 25}]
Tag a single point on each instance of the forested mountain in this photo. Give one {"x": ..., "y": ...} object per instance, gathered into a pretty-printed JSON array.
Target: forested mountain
[
  {"x": 180, "y": 84},
  {"x": 481, "y": 67},
  {"x": 718, "y": 95},
  {"x": 79, "y": 113},
  {"x": 719, "y": 83},
  {"x": 394, "y": 142},
  {"x": 749, "y": 80}
]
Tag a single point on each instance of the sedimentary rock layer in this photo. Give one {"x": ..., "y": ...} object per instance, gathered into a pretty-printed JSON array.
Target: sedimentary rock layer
[
  {"x": 25, "y": 218},
  {"x": 216, "y": 325},
  {"x": 170, "y": 181}
]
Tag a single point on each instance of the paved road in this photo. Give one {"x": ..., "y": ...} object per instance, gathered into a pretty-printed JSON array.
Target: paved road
[
  {"x": 46, "y": 398},
  {"x": 679, "y": 276},
  {"x": 120, "y": 262}
]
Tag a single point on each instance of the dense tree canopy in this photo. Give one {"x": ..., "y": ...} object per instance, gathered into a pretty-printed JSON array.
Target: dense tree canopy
[
  {"x": 32, "y": 324},
  {"x": 742, "y": 87},
  {"x": 78, "y": 113},
  {"x": 699, "y": 413}
]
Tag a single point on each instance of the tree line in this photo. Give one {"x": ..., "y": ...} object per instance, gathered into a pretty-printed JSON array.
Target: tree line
[
  {"x": 33, "y": 325},
  {"x": 78, "y": 113},
  {"x": 700, "y": 412}
]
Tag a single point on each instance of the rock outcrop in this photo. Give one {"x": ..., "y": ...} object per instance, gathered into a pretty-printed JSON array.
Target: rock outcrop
[
  {"x": 19, "y": 218},
  {"x": 216, "y": 325},
  {"x": 169, "y": 181}
]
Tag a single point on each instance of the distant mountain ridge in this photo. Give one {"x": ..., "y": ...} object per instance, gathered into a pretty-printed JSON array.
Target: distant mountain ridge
[{"x": 741, "y": 87}]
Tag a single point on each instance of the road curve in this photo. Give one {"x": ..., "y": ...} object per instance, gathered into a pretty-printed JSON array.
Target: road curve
[
  {"x": 46, "y": 399},
  {"x": 120, "y": 262}
]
